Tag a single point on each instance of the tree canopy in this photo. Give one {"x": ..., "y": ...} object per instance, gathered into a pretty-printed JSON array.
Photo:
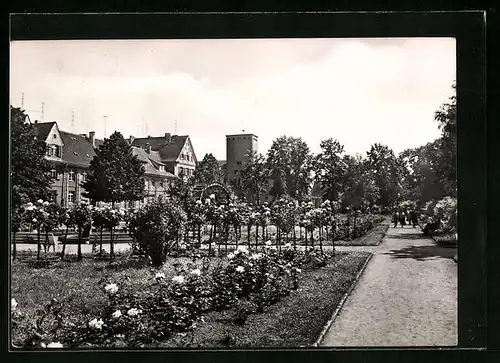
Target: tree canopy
[
  {"x": 30, "y": 170},
  {"x": 208, "y": 170},
  {"x": 115, "y": 174}
]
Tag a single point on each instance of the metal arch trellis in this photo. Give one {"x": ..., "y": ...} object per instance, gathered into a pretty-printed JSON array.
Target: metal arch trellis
[{"x": 216, "y": 187}]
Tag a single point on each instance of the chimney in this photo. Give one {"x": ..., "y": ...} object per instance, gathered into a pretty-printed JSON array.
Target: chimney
[
  {"x": 92, "y": 138},
  {"x": 131, "y": 139},
  {"x": 168, "y": 137},
  {"x": 36, "y": 121}
]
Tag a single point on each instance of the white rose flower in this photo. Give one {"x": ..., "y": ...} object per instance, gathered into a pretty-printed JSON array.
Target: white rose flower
[
  {"x": 111, "y": 289},
  {"x": 42, "y": 344},
  {"x": 134, "y": 312},
  {"x": 13, "y": 304},
  {"x": 39, "y": 201},
  {"x": 212, "y": 196},
  {"x": 240, "y": 269},
  {"x": 242, "y": 249},
  {"x": 178, "y": 279},
  {"x": 298, "y": 270},
  {"x": 230, "y": 256},
  {"x": 160, "y": 275},
  {"x": 288, "y": 245},
  {"x": 268, "y": 243},
  {"x": 116, "y": 314},
  {"x": 196, "y": 272},
  {"x": 96, "y": 324},
  {"x": 34, "y": 220},
  {"x": 55, "y": 345},
  {"x": 207, "y": 201}
]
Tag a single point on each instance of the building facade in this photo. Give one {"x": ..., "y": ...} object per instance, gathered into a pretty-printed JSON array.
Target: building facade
[
  {"x": 70, "y": 155},
  {"x": 176, "y": 152},
  {"x": 237, "y": 149}
]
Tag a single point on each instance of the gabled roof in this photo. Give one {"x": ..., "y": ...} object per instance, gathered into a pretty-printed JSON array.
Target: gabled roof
[
  {"x": 149, "y": 165},
  {"x": 44, "y": 129},
  {"x": 77, "y": 149},
  {"x": 167, "y": 151}
]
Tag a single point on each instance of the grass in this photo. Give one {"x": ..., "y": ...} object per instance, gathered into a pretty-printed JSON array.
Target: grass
[
  {"x": 372, "y": 238},
  {"x": 296, "y": 320}
]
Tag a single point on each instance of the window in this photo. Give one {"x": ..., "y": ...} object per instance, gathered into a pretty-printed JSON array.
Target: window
[
  {"x": 54, "y": 136},
  {"x": 84, "y": 176},
  {"x": 53, "y": 150},
  {"x": 53, "y": 173},
  {"x": 238, "y": 162},
  {"x": 146, "y": 184},
  {"x": 162, "y": 168},
  {"x": 71, "y": 176},
  {"x": 71, "y": 197}
]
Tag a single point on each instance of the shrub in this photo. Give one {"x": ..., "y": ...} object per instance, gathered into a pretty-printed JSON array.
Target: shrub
[{"x": 157, "y": 227}]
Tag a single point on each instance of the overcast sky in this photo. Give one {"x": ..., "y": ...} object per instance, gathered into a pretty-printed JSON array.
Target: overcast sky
[{"x": 360, "y": 91}]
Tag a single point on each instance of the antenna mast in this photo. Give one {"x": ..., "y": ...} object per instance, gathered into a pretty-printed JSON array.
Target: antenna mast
[
  {"x": 175, "y": 127},
  {"x": 43, "y": 103},
  {"x": 22, "y": 101},
  {"x": 72, "y": 120}
]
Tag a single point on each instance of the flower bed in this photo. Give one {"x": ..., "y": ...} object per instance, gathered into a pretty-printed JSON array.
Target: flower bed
[{"x": 145, "y": 307}]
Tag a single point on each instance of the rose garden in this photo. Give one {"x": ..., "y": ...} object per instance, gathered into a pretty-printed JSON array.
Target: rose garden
[{"x": 218, "y": 265}]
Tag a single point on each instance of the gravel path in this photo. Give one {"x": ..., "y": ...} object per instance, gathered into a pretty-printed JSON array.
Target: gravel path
[{"x": 407, "y": 296}]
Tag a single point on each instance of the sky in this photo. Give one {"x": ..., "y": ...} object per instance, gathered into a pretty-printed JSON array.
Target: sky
[{"x": 359, "y": 91}]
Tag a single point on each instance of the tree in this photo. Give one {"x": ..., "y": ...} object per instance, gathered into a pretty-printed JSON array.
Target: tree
[
  {"x": 30, "y": 171},
  {"x": 382, "y": 164},
  {"x": 115, "y": 174},
  {"x": 290, "y": 161},
  {"x": 420, "y": 173},
  {"x": 446, "y": 117},
  {"x": 255, "y": 176},
  {"x": 330, "y": 168},
  {"x": 208, "y": 170}
]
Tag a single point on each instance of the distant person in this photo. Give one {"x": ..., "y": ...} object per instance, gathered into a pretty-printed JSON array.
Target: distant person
[
  {"x": 413, "y": 218},
  {"x": 395, "y": 219},
  {"x": 402, "y": 219}
]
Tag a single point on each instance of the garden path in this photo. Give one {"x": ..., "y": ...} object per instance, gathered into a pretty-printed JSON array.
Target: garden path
[{"x": 407, "y": 296}]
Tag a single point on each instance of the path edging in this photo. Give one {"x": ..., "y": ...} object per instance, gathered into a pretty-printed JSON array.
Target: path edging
[
  {"x": 455, "y": 258},
  {"x": 330, "y": 322}
]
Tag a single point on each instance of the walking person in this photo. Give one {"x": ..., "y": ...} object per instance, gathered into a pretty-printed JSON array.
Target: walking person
[
  {"x": 413, "y": 218},
  {"x": 395, "y": 219},
  {"x": 402, "y": 219}
]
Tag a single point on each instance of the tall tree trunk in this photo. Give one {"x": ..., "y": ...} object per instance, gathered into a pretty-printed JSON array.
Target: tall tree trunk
[
  {"x": 236, "y": 236},
  {"x": 305, "y": 236},
  {"x": 199, "y": 234},
  {"x": 38, "y": 245},
  {"x": 111, "y": 245},
  {"x": 79, "y": 244},
  {"x": 256, "y": 236},
  {"x": 101, "y": 240},
  {"x": 312, "y": 237},
  {"x": 249, "y": 228},
  {"x": 64, "y": 243},
  {"x": 14, "y": 249},
  {"x": 294, "y": 238},
  {"x": 321, "y": 241},
  {"x": 46, "y": 241}
]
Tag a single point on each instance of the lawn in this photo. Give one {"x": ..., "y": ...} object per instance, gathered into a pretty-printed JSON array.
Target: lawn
[{"x": 294, "y": 321}]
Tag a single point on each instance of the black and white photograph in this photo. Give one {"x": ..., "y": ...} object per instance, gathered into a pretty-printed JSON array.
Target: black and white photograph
[{"x": 233, "y": 193}]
